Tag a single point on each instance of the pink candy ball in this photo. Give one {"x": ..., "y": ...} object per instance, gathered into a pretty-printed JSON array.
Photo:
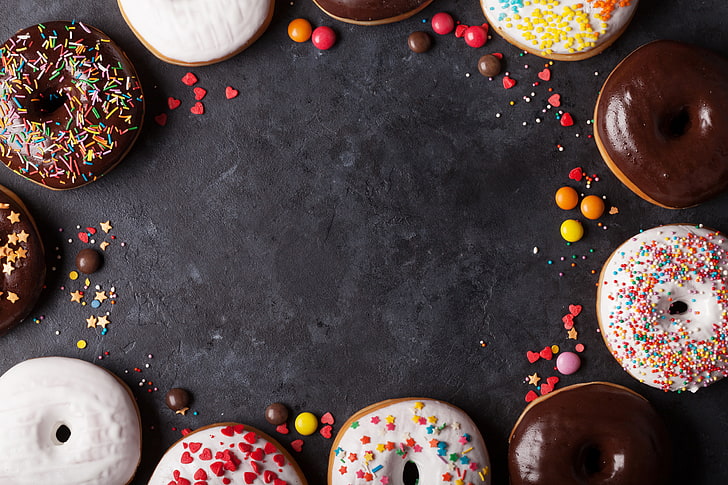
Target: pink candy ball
[
  {"x": 323, "y": 37},
  {"x": 567, "y": 363},
  {"x": 442, "y": 23}
]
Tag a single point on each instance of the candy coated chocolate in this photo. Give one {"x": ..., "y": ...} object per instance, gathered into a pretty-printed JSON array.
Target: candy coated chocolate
[
  {"x": 177, "y": 399},
  {"x": 88, "y": 261},
  {"x": 489, "y": 65},
  {"x": 276, "y": 413},
  {"x": 419, "y": 42}
]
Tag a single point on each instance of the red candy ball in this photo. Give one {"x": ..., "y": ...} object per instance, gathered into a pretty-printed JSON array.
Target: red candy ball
[
  {"x": 442, "y": 23},
  {"x": 323, "y": 37},
  {"x": 475, "y": 36}
]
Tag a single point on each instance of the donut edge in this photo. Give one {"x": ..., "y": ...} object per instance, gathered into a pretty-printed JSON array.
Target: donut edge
[
  {"x": 577, "y": 56},
  {"x": 382, "y": 21},
  {"x": 626, "y": 181},
  {"x": 291, "y": 460},
  {"x": 179, "y": 62}
]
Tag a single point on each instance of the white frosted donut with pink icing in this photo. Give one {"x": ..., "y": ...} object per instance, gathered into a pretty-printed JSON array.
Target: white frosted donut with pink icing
[
  {"x": 441, "y": 442},
  {"x": 67, "y": 422},
  {"x": 662, "y": 306},
  {"x": 225, "y": 454},
  {"x": 193, "y": 33}
]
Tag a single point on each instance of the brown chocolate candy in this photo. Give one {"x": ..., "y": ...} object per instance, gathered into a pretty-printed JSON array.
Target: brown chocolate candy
[
  {"x": 276, "y": 413},
  {"x": 178, "y": 400},
  {"x": 88, "y": 261},
  {"x": 489, "y": 65},
  {"x": 419, "y": 42}
]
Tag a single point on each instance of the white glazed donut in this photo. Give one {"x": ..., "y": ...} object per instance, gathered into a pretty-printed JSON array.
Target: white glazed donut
[
  {"x": 662, "y": 306},
  {"x": 227, "y": 453},
  {"x": 567, "y": 30},
  {"x": 377, "y": 443},
  {"x": 193, "y": 33},
  {"x": 67, "y": 422}
]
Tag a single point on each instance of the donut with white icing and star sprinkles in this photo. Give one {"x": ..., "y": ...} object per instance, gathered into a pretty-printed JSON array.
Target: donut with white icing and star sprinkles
[
  {"x": 662, "y": 305},
  {"x": 402, "y": 440}
]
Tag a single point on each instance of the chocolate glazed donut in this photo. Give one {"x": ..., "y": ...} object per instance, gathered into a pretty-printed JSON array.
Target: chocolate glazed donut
[
  {"x": 589, "y": 434},
  {"x": 661, "y": 123},
  {"x": 371, "y": 12}
]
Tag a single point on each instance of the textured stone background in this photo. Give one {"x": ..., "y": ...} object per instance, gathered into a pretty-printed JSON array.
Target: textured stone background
[{"x": 350, "y": 228}]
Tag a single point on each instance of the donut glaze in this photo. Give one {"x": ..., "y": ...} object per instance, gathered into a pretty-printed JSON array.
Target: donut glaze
[
  {"x": 567, "y": 30},
  {"x": 371, "y": 12},
  {"x": 376, "y": 444},
  {"x": 589, "y": 434},
  {"x": 22, "y": 261},
  {"x": 662, "y": 306},
  {"x": 661, "y": 123},
  {"x": 102, "y": 445},
  {"x": 227, "y": 453},
  {"x": 70, "y": 104}
]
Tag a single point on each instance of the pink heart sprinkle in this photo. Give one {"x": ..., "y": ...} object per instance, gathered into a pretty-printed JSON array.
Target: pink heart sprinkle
[
  {"x": 161, "y": 119},
  {"x": 199, "y": 93},
  {"x": 231, "y": 93},
  {"x": 83, "y": 236},
  {"x": 326, "y": 431},
  {"x": 575, "y": 309},
  {"x": 566, "y": 120},
  {"x": 327, "y": 418},
  {"x": 576, "y": 174},
  {"x": 173, "y": 103},
  {"x": 199, "y": 109},
  {"x": 508, "y": 82},
  {"x": 531, "y": 396},
  {"x": 545, "y": 75},
  {"x": 555, "y": 100},
  {"x": 189, "y": 79},
  {"x": 297, "y": 445}
]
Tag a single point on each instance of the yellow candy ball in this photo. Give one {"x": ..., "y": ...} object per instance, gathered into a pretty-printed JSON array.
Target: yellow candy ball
[
  {"x": 306, "y": 423},
  {"x": 566, "y": 198},
  {"x": 572, "y": 230}
]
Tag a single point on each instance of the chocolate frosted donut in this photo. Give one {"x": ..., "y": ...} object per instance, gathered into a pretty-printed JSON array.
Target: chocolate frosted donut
[
  {"x": 589, "y": 434},
  {"x": 22, "y": 261},
  {"x": 371, "y": 12},
  {"x": 661, "y": 123},
  {"x": 70, "y": 104}
]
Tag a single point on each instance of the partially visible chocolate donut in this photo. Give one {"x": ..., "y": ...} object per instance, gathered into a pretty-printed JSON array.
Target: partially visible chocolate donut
[
  {"x": 589, "y": 434},
  {"x": 661, "y": 123},
  {"x": 371, "y": 12},
  {"x": 22, "y": 261},
  {"x": 71, "y": 105}
]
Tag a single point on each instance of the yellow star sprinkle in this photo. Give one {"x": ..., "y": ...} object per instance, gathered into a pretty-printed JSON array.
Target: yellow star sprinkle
[
  {"x": 91, "y": 322},
  {"x": 104, "y": 245},
  {"x": 8, "y": 268},
  {"x": 76, "y": 296},
  {"x": 14, "y": 217},
  {"x": 100, "y": 296},
  {"x": 21, "y": 253},
  {"x": 13, "y": 238},
  {"x": 432, "y": 419},
  {"x": 12, "y": 297},
  {"x": 573, "y": 334},
  {"x": 389, "y": 419},
  {"x": 533, "y": 379},
  {"x": 381, "y": 448},
  {"x": 23, "y": 236},
  {"x": 419, "y": 405},
  {"x": 103, "y": 321},
  {"x": 106, "y": 226}
]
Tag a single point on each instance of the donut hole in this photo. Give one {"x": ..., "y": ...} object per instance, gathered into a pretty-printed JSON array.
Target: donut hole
[
  {"x": 63, "y": 434},
  {"x": 410, "y": 474},
  {"x": 45, "y": 103},
  {"x": 678, "y": 307},
  {"x": 592, "y": 460},
  {"x": 677, "y": 123}
]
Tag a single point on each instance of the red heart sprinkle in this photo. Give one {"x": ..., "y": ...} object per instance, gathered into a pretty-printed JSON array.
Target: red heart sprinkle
[
  {"x": 568, "y": 321},
  {"x": 239, "y": 428},
  {"x": 250, "y": 437},
  {"x": 575, "y": 309},
  {"x": 327, "y": 418},
  {"x": 228, "y": 431},
  {"x": 206, "y": 454},
  {"x": 173, "y": 103},
  {"x": 508, "y": 82},
  {"x": 546, "y": 388},
  {"x": 269, "y": 476},
  {"x": 257, "y": 454},
  {"x": 189, "y": 79},
  {"x": 278, "y": 481},
  {"x": 186, "y": 458},
  {"x": 255, "y": 466},
  {"x": 91, "y": 230},
  {"x": 195, "y": 447},
  {"x": 280, "y": 460},
  {"x": 270, "y": 448},
  {"x": 545, "y": 75},
  {"x": 226, "y": 481},
  {"x": 231, "y": 466},
  {"x": 199, "y": 109},
  {"x": 200, "y": 474},
  {"x": 497, "y": 54},
  {"x": 83, "y": 236},
  {"x": 231, "y": 92},
  {"x": 566, "y": 120},
  {"x": 532, "y": 356},
  {"x": 297, "y": 445},
  {"x": 555, "y": 100},
  {"x": 553, "y": 380},
  {"x": 176, "y": 473},
  {"x": 185, "y": 431},
  {"x": 282, "y": 428},
  {"x": 183, "y": 481},
  {"x": 200, "y": 93},
  {"x": 245, "y": 447},
  {"x": 326, "y": 431},
  {"x": 546, "y": 353},
  {"x": 249, "y": 477},
  {"x": 217, "y": 468},
  {"x": 576, "y": 174},
  {"x": 161, "y": 119},
  {"x": 531, "y": 396},
  {"x": 460, "y": 30}
]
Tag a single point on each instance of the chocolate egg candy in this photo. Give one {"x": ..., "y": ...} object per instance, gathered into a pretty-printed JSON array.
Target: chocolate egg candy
[
  {"x": 88, "y": 261},
  {"x": 419, "y": 42},
  {"x": 276, "y": 413}
]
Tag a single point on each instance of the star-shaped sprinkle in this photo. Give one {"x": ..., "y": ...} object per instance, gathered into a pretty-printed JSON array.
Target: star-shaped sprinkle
[
  {"x": 446, "y": 477},
  {"x": 432, "y": 419},
  {"x": 375, "y": 420},
  {"x": 100, "y": 296},
  {"x": 365, "y": 440},
  {"x": 433, "y": 443},
  {"x": 455, "y": 425},
  {"x": 368, "y": 456},
  {"x": 343, "y": 470},
  {"x": 91, "y": 322},
  {"x": 21, "y": 253},
  {"x": 106, "y": 226},
  {"x": 8, "y": 268},
  {"x": 13, "y": 238},
  {"x": 573, "y": 334},
  {"x": 389, "y": 419},
  {"x": 419, "y": 405},
  {"x": 381, "y": 448},
  {"x": 385, "y": 480},
  {"x": 14, "y": 217},
  {"x": 76, "y": 296},
  {"x": 23, "y": 236},
  {"x": 12, "y": 297},
  {"x": 533, "y": 379},
  {"x": 104, "y": 245},
  {"x": 182, "y": 411},
  {"x": 103, "y": 321}
]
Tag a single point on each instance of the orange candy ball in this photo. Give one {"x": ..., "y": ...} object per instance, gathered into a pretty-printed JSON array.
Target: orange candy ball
[
  {"x": 592, "y": 207},
  {"x": 299, "y": 30},
  {"x": 567, "y": 198}
]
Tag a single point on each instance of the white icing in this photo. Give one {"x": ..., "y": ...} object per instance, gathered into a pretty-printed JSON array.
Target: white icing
[
  {"x": 645, "y": 276},
  {"x": 38, "y": 396},
  {"x": 382, "y": 441},
  {"x": 208, "y": 442},
  {"x": 190, "y": 31},
  {"x": 518, "y": 19}
]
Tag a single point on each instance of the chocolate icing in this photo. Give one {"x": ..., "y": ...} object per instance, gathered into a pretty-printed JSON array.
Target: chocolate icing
[
  {"x": 71, "y": 117},
  {"x": 589, "y": 434},
  {"x": 371, "y": 10},
  {"x": 22, "y": 257},
  {"x": 662, "y": 118}
]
